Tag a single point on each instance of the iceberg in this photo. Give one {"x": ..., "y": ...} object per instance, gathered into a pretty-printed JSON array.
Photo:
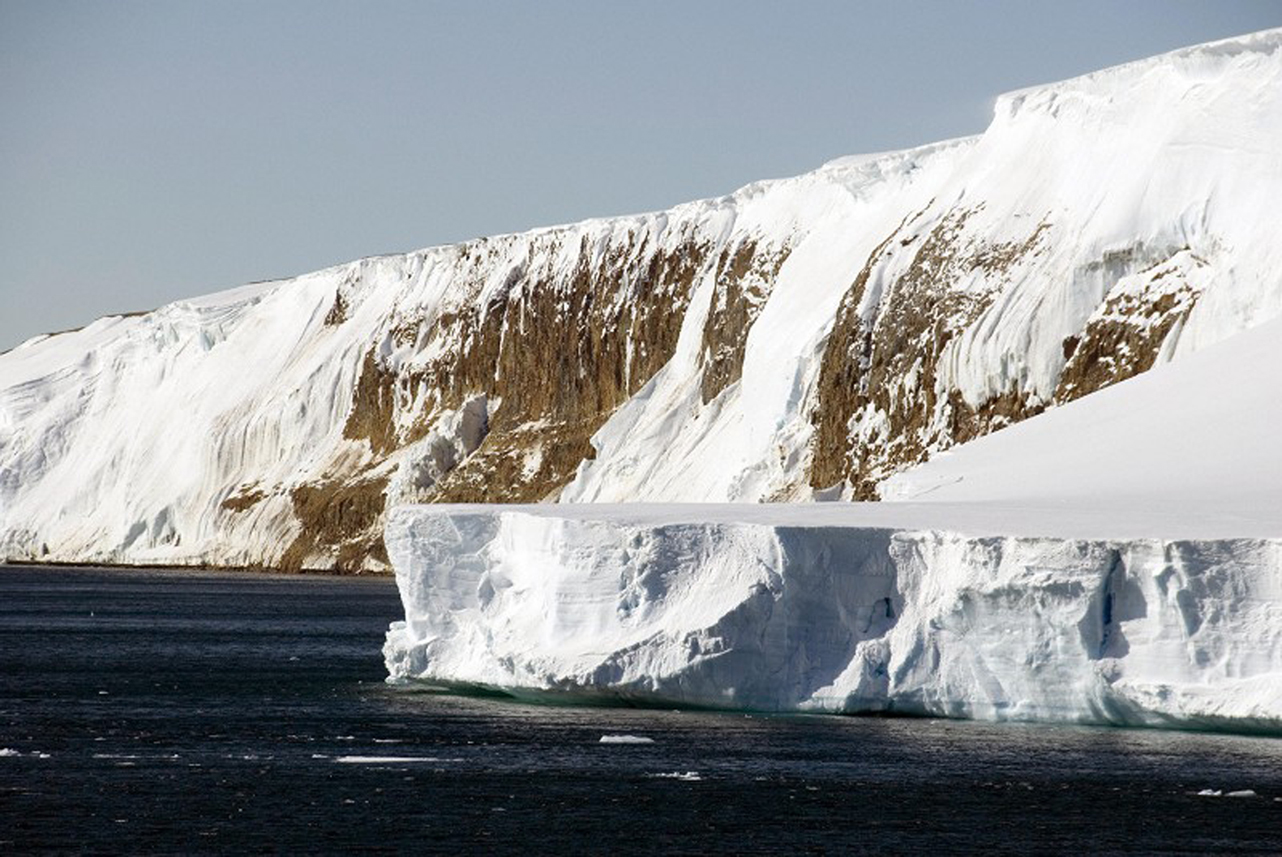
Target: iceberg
[{"x": 780, "y": 613}]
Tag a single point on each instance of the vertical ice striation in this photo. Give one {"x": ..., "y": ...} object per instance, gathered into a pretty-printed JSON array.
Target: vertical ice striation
[{"x": 853, "y": 618}]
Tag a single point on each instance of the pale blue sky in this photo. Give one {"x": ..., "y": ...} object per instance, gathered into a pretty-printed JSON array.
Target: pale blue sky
[{"x": 156, "y": 150}]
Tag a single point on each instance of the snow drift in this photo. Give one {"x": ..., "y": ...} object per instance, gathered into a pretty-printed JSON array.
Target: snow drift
[{"x": 801, "y": 338}]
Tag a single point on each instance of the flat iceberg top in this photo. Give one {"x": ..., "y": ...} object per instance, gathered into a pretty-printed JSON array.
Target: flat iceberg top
[{"x": 1113, "y": 517}]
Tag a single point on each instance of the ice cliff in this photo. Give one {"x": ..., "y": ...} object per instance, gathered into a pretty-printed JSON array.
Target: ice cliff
[
  {"x": 793, "y": 614},
  {"x": 799, "y": 338}
]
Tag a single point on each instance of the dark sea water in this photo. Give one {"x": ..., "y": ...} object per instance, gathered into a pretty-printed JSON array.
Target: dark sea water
[{"x": 183, "y": 713}]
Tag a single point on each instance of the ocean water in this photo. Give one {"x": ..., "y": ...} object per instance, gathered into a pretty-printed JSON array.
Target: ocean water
[{"x": 187, "y": 712}]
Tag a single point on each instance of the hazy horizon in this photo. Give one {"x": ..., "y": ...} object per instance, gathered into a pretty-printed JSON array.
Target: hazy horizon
[{"x": 155, "y": 151}]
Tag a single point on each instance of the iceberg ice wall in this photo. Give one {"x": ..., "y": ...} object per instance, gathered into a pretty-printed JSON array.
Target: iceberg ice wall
[{"x": 780, "y": 616}]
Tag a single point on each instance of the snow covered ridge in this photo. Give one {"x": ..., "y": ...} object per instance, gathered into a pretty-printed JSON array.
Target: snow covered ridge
[
  {"x": 801, "y": 338},
  {"x": 781, "y": 613}
]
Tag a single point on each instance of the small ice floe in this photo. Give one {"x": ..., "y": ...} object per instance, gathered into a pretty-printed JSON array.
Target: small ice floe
[
  {"x": 625, "y": 739},
  {"x": 9, "y": 752},
  {"x": 1210, "y": 793},
  {"x": 685, "y": 777},
  {"x": 390, "y": 760},
  {"x": 389, "y": 741},
  {"x": 1242, "y": 793}
]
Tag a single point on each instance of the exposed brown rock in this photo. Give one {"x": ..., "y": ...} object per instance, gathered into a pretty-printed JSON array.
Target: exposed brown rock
[
  {"x": 560, "y": 352},
  {"x": 744, "y": 281},
  {"x": 373, "y": 407},
  {"x": 245, "y": 497},
  {"x": 966, "y": 422},
  {"x": 338, "y": 517},
  {"x": 522, "y": 465},
  {"x": 1123, "y": 337},
  {"x": 884, "y": 364},
  {"x": 338, "y": 312},
  {"x": 841, "y": 374}
]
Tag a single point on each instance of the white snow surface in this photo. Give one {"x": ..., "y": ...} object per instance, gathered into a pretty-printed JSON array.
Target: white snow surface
[{"x": 1117, "y": 560}]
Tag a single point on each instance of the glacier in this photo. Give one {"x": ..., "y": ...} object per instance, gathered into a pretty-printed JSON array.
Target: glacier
[
  {"x": 800, "y": 339},
  {"x": 1115, "y": 561}
]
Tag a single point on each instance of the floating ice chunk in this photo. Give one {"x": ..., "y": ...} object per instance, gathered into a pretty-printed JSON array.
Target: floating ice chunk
[
  {"x": 9, "y": 752},
  {"x": 625, "y": 739},
  {"x": 1242, "y": 793},
  {"x": 390, "y": 760},
  {"x": 1210, "y": 793},
  {"x": 685, "y": 777}
]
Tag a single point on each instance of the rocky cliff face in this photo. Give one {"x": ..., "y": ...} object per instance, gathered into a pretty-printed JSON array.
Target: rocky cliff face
[{"x": 800, "y": 339}]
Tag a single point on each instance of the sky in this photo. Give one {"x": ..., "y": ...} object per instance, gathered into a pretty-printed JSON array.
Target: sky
[{"x": 151, "y": 151}]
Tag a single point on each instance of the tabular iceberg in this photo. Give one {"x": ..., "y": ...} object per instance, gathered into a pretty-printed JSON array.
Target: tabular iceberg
[{"x": 780, "y": 615}]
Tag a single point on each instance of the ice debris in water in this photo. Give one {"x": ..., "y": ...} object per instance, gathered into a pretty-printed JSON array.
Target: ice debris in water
[
  {"x": 1222, "y": 793},
  {"x": 389, "y": 760},
  {"x": 625, "y": 739}
]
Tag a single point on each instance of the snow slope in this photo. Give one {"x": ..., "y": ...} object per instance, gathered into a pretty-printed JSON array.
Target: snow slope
[
  {"x": 1195, "y": 441},
  {"x": 800, "y": 338},
  {"x": 1115, "y": 560}
]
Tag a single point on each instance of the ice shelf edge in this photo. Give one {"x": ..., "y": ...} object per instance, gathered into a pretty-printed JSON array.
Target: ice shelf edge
[{"x": 1147, "y": 632}]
